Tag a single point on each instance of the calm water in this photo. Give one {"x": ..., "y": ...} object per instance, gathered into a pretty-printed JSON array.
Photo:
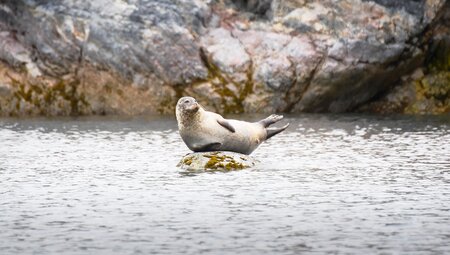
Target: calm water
[{"x": 330, "y": 184}]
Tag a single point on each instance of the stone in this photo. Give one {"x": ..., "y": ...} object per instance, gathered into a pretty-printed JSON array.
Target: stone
[
  {"x": 227, "y": 54},
  {"x": 425, "y": 90},
  {"x": 216, "y": 161},
  {"x": 5, "y": 90},
  {"x": 275, "y": 73},
  {"x": 307, "y": 18},
  {"x": 417, "y": 74}
]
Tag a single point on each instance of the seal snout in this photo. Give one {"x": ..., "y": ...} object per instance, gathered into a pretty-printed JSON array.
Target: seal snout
[
  {"x": 188, "y": 104},
  {"x": 193, "y": 107}
]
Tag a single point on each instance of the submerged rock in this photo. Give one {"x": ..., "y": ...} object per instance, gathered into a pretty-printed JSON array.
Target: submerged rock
[{"x": 216, "y": 160}]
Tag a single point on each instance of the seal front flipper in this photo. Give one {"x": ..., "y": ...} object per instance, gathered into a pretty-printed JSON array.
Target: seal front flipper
[
  {"x": 224, "y": 123},
  {"x": 207, "y": 147}
]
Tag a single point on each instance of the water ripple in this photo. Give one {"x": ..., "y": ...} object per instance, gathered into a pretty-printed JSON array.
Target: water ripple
[{"x": 329, "y": 184}]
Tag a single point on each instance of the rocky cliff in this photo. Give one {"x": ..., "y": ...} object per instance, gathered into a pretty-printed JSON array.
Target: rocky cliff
[{"x": 73, "y": 57}]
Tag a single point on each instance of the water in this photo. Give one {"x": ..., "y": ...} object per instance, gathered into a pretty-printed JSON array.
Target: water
[{"x": 329, "y": 184}]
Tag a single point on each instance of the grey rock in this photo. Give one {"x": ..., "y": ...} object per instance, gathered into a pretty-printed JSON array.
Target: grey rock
[
  {"x": 276, "y": 73},
  {"x": 5, "y": 90},
  {"x": 139, "y": 56},
  {"x": 273, "y": 70},
  {"x": 126, "y": 37},
  {"x": 15, "y": 54},
  {"x": 226, "y": 53}
]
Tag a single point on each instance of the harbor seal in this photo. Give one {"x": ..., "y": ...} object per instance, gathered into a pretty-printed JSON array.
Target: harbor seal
[{"x": 203, "y": 131}]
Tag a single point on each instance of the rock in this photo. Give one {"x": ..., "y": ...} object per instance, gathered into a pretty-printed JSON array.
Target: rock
[
  {"x": 5, "y": 90},
  {"x": 425, "y": 90},
  {"x": 429, "y": 94},
  {"x": 139, "y": 56},
  {"x": 227, "y": 54},
  {"x": 307, "y": 18},
  {"x": 417, "y": 74},
  {"x": 217, "y": 160}
]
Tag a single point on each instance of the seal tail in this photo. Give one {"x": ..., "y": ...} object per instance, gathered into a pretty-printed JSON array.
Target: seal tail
[
  {"x": 273, "y": 131},
  {"x": 271, "y": 120}
]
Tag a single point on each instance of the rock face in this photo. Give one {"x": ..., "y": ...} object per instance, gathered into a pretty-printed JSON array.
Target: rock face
[
  {"x": 427, "y": 89},
  {"x": 217, "y": 160},
  {"x": 74, "y": 57}
]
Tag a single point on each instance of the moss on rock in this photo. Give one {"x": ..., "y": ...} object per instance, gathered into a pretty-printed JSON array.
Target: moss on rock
[
  {"x": 425, "y": 91},
  {"x": 432, "y": 94},
  {"x": 40, "y": 98}
]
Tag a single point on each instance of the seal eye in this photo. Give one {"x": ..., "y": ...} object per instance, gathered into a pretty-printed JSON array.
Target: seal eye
[{"x": 186, "y": 101}]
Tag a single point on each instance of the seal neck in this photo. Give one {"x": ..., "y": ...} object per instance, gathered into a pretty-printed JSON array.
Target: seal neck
[{"x": 186, "y": 119}]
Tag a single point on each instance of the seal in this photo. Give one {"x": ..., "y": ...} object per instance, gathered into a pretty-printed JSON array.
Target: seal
[{"x": 204, "y": 131}]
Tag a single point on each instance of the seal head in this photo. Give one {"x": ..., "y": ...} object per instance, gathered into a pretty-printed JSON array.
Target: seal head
[
  {"x": 187, "y": 105},
  {"x": 186, "y": 109}
]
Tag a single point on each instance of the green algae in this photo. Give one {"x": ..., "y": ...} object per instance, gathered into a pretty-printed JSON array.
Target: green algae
[
  {"x": 222, "y": 162},
  {"x": 432, "y": 94},
  {"x": 187, "y": 161},
  {"x": 433, "y": 90},
  {"x": 42, "y": 98}
]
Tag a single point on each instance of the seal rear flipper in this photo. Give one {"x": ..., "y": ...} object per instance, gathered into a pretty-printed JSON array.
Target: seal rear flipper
[
  {"x": 271, "y": 120},
  {"x": 208, "y": 147},
  {"x": 224, "y": 123},
  {"x": 273, "y": 131}
]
